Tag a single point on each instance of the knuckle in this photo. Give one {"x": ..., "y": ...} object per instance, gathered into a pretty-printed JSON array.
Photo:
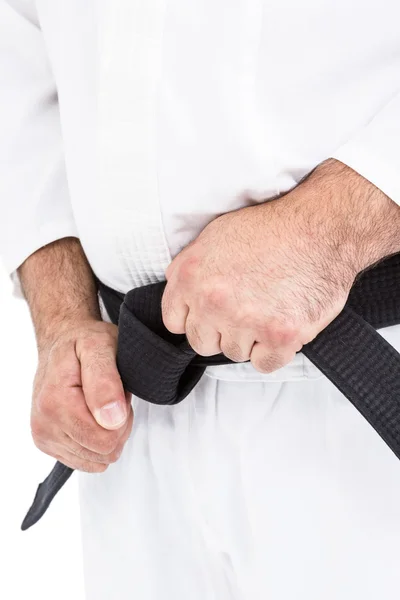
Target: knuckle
[
  {"x": 98, "y": 343},
  {"x": 278, "y": 333},
  {"x": 216, "y": 299},
  {"x": 106, "y": 337},
  {"x": 233, "y": 351},
  {"x": 247, "y": 317},
  {"x": 107, "y": 444},
  {"x": 272, "y": 333},
  {"x": 188, "y": 268},
  {"x": 45, "y": 403},
  {"x": 105, "y": 342},
  {"x": 167, "y": 305},
  {"x": 87, "y": 456},
  {"x": 89, "y": 344},
  {"x": 172, "y": 318},
  {"x": 289, "y": 334},
  {"x": 267, "y": 363},
  {"x": 37, "y": 427},
  {"x": 88, "y": 436},
  {"x": 81, "y": 453},
  {"x": 193, "y": 335},
  {"x": 81, "y": 432},
  {"x": 115, "y": 455}
]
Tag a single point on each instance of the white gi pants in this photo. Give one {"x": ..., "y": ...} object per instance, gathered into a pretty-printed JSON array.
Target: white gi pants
[{"x": 256, "y": 487}]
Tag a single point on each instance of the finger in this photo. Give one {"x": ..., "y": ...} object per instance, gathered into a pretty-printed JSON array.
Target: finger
[
  {"x": 237, "y": 344},
  {"x": 174, "y": 310},
  {"x": 73, "y": 462},
  {"x": 101, "y": 383},
  {"x": 58, "y": 411},
  {"x": 62, "y": 454},
  {"x": 202, "y": 337},
  {"x": 266, "y": 360},
  {"x": 81, "y": 427},
  {"x": 83, "y": 453},
  {"x": 76, "y": 452},
  {"x": 178, "y": 260},
  {"x": 87, "y": 466}
]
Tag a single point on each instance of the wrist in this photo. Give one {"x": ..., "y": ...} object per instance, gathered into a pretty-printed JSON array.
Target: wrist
[
  {"x": 68, "y": 330},
  {"x": 60, "y": 288}
]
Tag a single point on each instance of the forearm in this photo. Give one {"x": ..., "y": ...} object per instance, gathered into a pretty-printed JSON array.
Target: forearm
[
  {"x": 356, "y": 218},
  {"x": 59, "y": 286}
]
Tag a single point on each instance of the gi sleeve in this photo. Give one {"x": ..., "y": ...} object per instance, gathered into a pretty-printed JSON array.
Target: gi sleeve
[
  {"x": 34, "y": 201},
  {"x": 374, "y": 150}
]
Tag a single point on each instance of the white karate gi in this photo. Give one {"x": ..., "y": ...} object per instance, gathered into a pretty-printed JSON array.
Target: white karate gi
[{"x": 170, "y": 112}]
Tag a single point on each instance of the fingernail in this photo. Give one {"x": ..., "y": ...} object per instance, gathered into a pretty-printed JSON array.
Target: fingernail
[{"x": 111, "y": 415}]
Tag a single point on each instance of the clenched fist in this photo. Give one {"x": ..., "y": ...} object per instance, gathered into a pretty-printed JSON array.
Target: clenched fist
[
  {"x": 80, "y": 413},
  {"x": 261, "y": 282}
]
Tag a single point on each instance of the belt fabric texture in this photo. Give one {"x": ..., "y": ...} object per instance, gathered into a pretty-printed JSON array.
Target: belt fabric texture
[{"x": 162, "y": 368}]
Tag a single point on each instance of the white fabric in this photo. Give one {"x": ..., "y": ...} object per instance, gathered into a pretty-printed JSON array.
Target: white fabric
[
  {"x": 247, "y": 491},
  {"x": 170, "y": 112},
  {"x": 193, "y": 107}
]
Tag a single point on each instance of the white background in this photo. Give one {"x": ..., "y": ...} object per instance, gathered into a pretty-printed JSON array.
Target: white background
[{"x": 44, "y": 562}]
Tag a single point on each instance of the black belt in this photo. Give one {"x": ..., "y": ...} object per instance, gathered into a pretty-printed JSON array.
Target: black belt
[{"x": 162, "y": 368}]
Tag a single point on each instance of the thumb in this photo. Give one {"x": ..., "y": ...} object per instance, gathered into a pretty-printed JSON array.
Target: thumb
[{"x": 102, "y": 385}]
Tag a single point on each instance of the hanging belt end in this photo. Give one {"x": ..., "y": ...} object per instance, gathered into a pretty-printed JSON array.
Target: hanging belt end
[{"x": 45, "y": 494}]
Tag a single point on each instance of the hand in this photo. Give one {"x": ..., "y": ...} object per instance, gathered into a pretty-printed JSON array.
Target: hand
[
  {"x": 80, "y": 413},
  {"x": 261, "y": 282}
]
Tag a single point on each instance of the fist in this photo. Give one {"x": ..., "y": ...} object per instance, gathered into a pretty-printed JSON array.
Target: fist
[
  {"x": 260, "y": 282},
  {"x": 81, "y": 414}
]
